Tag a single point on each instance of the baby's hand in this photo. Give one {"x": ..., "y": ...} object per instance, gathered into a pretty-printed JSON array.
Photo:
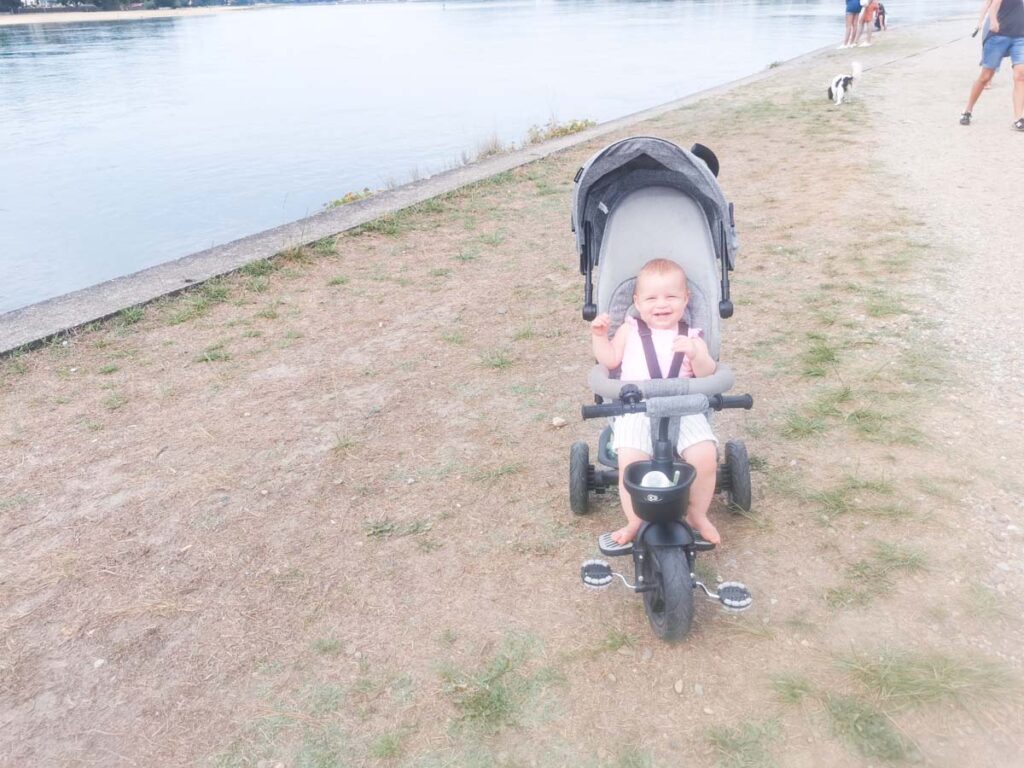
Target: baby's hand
[
  {"x": 600, "y": 325},
  {"x": 691, "y": 347},
  {"x": 685, "y": 345}
]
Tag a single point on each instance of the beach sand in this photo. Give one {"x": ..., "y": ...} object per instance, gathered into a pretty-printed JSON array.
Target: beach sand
[{"x": 316, "y": 513}]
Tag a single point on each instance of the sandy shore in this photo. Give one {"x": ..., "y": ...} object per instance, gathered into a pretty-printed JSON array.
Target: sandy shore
[
  {"x": 316, "y": 513},
  {"x": 74, "y": 17}
]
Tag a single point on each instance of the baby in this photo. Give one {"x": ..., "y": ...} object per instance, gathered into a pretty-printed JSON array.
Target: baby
[{"x": 660, "y": 297}]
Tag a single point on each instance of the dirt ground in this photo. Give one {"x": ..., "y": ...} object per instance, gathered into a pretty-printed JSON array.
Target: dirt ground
[{"x": 316, "y": 514}]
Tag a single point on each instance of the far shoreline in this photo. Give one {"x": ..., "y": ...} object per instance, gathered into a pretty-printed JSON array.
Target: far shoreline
[{"x": 75, "y": 17}]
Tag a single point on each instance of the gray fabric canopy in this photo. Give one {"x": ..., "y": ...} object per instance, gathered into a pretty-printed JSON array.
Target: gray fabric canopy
[{"x": 645, "y": 161}]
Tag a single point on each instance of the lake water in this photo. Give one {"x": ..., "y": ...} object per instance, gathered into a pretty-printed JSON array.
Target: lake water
[{"x": 127, "y": 144}]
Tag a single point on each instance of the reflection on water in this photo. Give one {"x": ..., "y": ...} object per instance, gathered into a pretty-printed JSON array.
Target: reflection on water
[{"x": 125, "y": 144}]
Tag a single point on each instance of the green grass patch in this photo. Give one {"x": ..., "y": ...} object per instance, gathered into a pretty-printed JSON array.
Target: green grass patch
[
  {"x": 490, "y": 475},
  {"x": 390, "y": 224},
  {"x": 259, "y": 268},
  {"x": 616, "y": 639},
  {"x": 323, "y": 748},
  {"x": 866, "y": 729},
  {"x": 325, "y": 246},
  {"x": 213, "y": 354},
  {"x": 114, "y": 401},
  {"x": 108, "y": 369},
  {"x": 327, "y": 646},
  {"x": 818, "y": 358},
  {"x": 746, "y": 745},
  {"x": 386, "y": 746},
  {"x": 874, "y": 574},
  {"x": 882, "y": 304},
  {"x": 324, "y": 699},
  {"x": 130, "y": 316},
  {"x": 631, "y": 756},
  {"x": 198, "y": 303},
  {"x": 798, "y": 425},
  {"x": 453, "y": 337},
  {"x": 791, "y": 688},
  {"x": 493, "y": 238},
  {"x": 497, "y": 359},
  {"x": 982, "y": 602},
  {"x": 913, "y": 679},
  {"x": 554, "y": 130},
  {"x": 385, "y": 528},
  {"x": 503, "y": 690},
  {"x": 338, "y": 280}
]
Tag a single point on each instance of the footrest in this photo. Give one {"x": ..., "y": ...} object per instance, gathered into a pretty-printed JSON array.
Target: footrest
[
  {"x": 700, "y": 544},
  {"x": 734, "y": 596},
  {"x": 612, "y": 548},
  {"x": 596, "y": 574}
]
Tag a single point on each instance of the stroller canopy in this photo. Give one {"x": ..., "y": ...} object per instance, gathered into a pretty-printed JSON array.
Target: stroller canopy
[{"x": 635, "y": 163}]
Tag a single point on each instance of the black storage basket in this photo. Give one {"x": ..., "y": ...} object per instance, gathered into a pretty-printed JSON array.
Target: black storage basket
[{"x": 659, "y": 505}]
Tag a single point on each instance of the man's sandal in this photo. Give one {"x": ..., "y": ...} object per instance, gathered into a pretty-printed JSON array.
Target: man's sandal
[
  {"x": 965, "y": 118},
  {"x": 1019, "y": 125}
]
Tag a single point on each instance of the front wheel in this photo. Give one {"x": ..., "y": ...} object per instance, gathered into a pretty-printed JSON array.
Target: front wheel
[
  {"x": 579, "y": 469},
  {"x": 669, "y": 605}
]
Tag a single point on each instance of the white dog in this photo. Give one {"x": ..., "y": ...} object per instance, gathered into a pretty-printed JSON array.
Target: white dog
[{"x": 843, "y": 84}]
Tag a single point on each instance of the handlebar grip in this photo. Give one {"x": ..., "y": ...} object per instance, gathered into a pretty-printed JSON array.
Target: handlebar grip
[
  {"x": 721, "y": 402},
  {"x": 612, "y": 409}
]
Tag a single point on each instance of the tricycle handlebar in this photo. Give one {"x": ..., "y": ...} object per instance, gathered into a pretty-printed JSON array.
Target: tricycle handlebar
[{"x": 715, "y": 402}]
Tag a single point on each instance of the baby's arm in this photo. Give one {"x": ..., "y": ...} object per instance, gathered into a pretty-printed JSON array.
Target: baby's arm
[{"x": 607, "y": 351}]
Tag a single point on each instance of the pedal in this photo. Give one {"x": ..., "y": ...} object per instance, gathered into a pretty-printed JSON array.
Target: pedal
[
  {"x": 612, "y": 548},
  {"x": 734, "y": 596},
  {"x": 596, "y": 574}
]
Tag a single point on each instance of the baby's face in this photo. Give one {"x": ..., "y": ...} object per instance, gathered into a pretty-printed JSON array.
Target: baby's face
[{"x": 661, "y": 299}]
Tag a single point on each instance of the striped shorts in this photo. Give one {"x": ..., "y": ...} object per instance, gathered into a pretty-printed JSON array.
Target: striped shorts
[{"x": 634, "y": 431}]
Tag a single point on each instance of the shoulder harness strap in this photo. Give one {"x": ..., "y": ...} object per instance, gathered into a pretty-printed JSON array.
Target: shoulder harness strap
[{"x": 653, "y": 368}]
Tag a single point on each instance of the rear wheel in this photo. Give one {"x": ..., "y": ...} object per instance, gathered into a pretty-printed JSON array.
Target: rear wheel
[
  {"x": 669, "y": 605},
  {"x": 738, "y": 464},
  {"x": 579, "y": 469}
]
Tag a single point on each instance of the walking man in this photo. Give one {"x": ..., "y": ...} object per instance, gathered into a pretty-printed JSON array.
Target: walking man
[{"x": 1005, "y": 38}]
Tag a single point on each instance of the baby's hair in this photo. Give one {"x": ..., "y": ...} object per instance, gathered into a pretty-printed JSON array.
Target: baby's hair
[{"x": 659, "y": 267}]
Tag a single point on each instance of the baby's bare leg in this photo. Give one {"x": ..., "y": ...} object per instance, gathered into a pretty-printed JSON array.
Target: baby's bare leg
[
  {"x": 704, "y": 458},
  {"x": 627, "y": 533}
]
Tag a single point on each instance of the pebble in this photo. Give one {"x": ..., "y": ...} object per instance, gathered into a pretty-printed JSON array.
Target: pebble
[
  {"x": 679, "y": 687},
  {"x": 611, "y": 678},
  {"x": 98, "y": 663},
  {"x": 698, "y": 689},
  {"x": 708, "y": 711},
  {"x": 558, "y": 421}
]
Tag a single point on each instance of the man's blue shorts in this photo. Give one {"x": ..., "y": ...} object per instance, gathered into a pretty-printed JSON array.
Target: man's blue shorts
[
  {"x": 853, "y": 6},
  {"x": 998, "y": 47}
]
